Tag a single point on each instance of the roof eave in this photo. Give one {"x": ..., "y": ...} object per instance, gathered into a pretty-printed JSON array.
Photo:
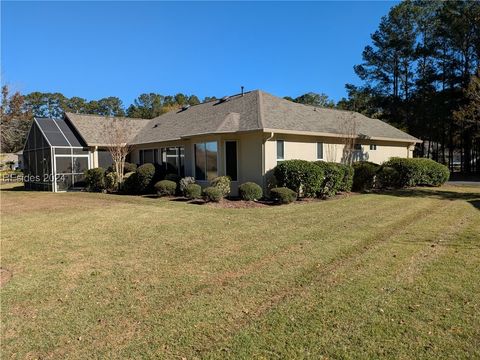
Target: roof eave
[{"x": 413, "y": 140}]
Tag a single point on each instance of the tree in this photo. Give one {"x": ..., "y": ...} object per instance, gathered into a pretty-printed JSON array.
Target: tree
[
  {"x": 349, "y": 132},
  {"x": 117, "y": 132},
  {"x": 416, "y": 71},
  {"x": 110, "y": 106},
  {"x": 314, "y": 99},
  {"x": 468, "y": 116},
  {"x": 209, "y": 98},
  {"x": 14, "y": 121}
]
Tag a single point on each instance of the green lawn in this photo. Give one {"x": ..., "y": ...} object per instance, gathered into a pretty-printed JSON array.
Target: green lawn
[{"x": 377, "y": 275}]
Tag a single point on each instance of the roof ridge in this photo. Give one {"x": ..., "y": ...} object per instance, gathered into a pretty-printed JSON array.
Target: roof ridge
[{"x": 104, "y": 116}]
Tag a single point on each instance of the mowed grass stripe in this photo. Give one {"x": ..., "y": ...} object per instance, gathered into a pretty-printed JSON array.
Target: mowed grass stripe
[
  {"x": 371, "y": 306},
  {"x": 147, "y": 277}
]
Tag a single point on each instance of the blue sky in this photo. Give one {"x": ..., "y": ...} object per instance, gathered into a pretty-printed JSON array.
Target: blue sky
[{"x": 99, "y": 49}]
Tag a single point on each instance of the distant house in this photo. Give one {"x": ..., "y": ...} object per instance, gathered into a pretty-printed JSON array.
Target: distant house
[
  {"x": 11, "y": 161},
  {"x": 243, "y": 136}
]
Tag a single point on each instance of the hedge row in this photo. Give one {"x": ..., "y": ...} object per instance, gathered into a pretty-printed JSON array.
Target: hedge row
[
  {"x": 311, "y": 179},
  {"x": 399, "y": 173}
]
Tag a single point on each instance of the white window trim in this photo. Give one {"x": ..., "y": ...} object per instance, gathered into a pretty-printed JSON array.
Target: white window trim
[{"x": 225, "y": 158}]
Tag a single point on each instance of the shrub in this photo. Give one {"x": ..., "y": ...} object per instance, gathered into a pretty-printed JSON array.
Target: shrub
[
  {"x": 111, "y": 181},
  {"x": 364, "y": 175},
  {"x": 302, "y": 176},
  {"x": 193, "y": 191},
  {"x": 419, "y": 171},
  {"x": 387, "y": 177},
  {"x": 166, "y": 188},
  {"x": 250, "y": 191},
  {"x": 129, "y": 184},
  {"x": 95, "y": 179},
  {"x": 129, "y": 167},
  {"x": 212, "y": 193},
  {"x": 283, "y": 195},
  {"x": 144, "y": 177},
  {"x": 332, "y": 178},
  {"x": 185, "y": 182},
  {"x": 347, "y": 181},
  {"x": 172, "y": 177},
  {"x": 222, "y": 183}
]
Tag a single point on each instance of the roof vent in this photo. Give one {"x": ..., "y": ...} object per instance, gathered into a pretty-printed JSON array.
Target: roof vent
[
  {"x": 223, "y": 99},
  {"x": 185, "y": 107},
  {"x": 156, "y": 125}
]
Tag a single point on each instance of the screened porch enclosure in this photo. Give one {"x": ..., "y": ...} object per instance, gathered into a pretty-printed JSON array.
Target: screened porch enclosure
[{"x": 54, "y": 157}]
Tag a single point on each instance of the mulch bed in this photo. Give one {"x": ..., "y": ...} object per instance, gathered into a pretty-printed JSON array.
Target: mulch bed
[{"x": 237, "y": 203}]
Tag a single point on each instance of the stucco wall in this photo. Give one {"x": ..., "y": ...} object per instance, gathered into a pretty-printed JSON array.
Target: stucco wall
[
  {"x": 249, "y": 155},
  {"x": 305, "y": 148}
]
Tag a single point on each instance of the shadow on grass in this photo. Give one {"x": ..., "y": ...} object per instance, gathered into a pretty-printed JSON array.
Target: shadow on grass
[
  {"x": 472, "y": 198},
  {"x": 13, "y": 188}
]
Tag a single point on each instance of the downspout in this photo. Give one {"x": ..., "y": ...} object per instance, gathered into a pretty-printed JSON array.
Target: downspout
[{"x": 263, "y": 160}]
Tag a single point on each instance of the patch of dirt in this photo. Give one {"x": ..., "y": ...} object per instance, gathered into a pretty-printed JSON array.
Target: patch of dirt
[{"x": 5, "y": 276}]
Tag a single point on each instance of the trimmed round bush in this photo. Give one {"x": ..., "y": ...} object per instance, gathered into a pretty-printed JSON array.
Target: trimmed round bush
[
  {"x": 182, "y": 185},
  {"x": 144, "y": 177},
  {"x": 166, "y": 188},
  {"x": 301, "y": 176},
  {"x": 250, "y": 191},
  {"x": 111, "y": 181},
  {"x": 129, "y": 167},
  {"x": 223, "y": 183},
  {"x": 364, "y": 175},
  {"x": 193, "y": 191},
  {"x": 387, "y": 177},
  {"x": 283, "y": 195},
  {"x": 332, "y": 179},
  {"x": 419, "y": 171},
  {"x": 347, "y": 181},
  {"x": 95, "y": 179},
  {"x": 212, "y": 193}
]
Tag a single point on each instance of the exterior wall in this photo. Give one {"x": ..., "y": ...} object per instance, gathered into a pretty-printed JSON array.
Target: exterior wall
[
  {"x": 249, "y": 155},
  {"x": 305, "y": 148}
]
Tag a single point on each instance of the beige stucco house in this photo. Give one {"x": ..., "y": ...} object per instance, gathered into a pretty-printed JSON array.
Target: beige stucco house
[{"x": 243, "y": 136}]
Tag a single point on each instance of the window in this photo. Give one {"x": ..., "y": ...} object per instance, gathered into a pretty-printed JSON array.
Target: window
[
  {"x": 172, "y": 159},
  {"x": 231, "y": 159},
  {"x": 206, "y": 155},
  {"x": 280, "y": 150},
  {"x": 147, "y": 156},
  {"x": 358, "y": 147},
  {"x": 319, "y": 151},
  {"x": 373, "y": 147},
  {"x": 104, "y": 159}
]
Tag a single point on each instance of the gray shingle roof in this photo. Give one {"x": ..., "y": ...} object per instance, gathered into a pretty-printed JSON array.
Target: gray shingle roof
[
  {"x": 281, "y": 114},
  {"x": 239, "y": 113},
  {"x": 254, "y": 111},
  {"x": 92, "y": 128}
]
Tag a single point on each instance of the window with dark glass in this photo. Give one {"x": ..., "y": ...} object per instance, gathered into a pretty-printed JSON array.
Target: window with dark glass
[
  {"x": 172, "y": 160},
  {"x": 319, "y": 150},
  {"x": 373, "y": 147},
  {"x": 357, "y": 147},
  {"x": 147, "y": 156},
  {"x": 280, "y": 150},
  {"x": 206, "y": 155},
  {"x": 231, "y": 159}
]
